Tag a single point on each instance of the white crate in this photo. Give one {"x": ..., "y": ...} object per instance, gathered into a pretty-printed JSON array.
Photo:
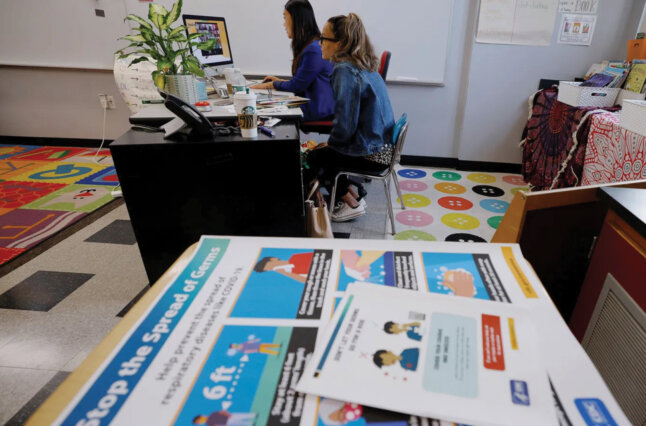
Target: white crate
[
  {"x": 629, "y": 94},
  {"x": 633, "y": 116},
  {"x": 574, "y": 95}
]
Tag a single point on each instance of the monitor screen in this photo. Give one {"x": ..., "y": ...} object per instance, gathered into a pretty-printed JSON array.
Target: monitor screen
[{"x": 210, "y": 28}]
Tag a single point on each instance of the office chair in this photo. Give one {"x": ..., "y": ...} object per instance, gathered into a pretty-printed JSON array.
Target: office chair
[
  {"x": 383, "y": 64},
  {"x": 325, "y": 127},
  {"x": 399, "y": 135}
]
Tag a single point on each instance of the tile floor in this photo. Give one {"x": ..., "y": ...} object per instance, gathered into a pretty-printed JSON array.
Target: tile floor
[{"x": 56, "y": 308}]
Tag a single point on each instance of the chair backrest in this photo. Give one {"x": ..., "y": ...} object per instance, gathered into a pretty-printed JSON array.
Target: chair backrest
[
  {"x": 399, "y": 135},
  {"x": 383, "y": 64}
]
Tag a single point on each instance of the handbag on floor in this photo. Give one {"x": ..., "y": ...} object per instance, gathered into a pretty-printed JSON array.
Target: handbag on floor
[{"x": 316, "y": 214}]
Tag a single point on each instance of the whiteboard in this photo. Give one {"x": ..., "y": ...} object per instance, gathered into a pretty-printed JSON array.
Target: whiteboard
[
  {"x": 415, "y": 31},
  {"x": 61, "y": 33}
]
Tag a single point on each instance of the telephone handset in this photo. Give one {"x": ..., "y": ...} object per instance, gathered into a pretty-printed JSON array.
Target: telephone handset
[{"x": 191, "y": 116}]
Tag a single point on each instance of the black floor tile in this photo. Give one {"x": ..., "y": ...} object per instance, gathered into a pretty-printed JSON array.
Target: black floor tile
[
  {"x": 42, "y": 290},
  {"x": 341, "y": 234},
  {"x": 20, "y": 418},
  {"x": 125, "y": 310},
  {"x": 118, "y": 232}
]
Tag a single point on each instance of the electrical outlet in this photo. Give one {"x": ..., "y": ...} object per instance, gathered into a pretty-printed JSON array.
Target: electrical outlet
[{"x": 107, "y": 101}]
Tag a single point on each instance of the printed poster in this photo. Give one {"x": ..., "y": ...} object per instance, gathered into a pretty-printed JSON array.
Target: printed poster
[
  {"x": 577, "y": 29},
  {"x": 471, "y": 362},
  {"x": 227, "y": 340},
  {"x": 516, "y": 22}
]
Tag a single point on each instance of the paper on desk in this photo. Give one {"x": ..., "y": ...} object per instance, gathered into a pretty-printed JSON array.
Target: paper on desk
[
  {"x": 457, "y": 359},
  {"x": 135, "y": 82}
]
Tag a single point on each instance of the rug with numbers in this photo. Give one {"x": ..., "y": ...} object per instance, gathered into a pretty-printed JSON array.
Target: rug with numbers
[
  {"x": 450, "y": 205},
  {"x": 44, "y": 189}
]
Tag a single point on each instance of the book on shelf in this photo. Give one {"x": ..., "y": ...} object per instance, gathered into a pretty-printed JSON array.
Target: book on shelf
[{"x": 636, "y": 78}]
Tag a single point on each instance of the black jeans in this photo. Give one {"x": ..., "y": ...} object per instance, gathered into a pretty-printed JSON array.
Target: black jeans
[{"x": 325, "y": 163}]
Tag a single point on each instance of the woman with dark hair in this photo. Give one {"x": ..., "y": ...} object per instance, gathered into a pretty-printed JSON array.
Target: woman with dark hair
[
  {"x": 311, "y": 73},
  {"x": 361, "y": 136}
]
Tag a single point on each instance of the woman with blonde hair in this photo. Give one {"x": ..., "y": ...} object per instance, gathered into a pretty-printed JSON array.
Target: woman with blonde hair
[{"x": 361, "y": 136}]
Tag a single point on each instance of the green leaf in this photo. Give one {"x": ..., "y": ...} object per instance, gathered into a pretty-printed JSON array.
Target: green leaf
[
  {"x": 137, "y": 60},
  {"x": 194, "y": 35},
  {"x": 158, "y": 79},
  {"x": 207, "y": 45},
  {"x": 176, "y": 31},
  {"x": 164, "y": 65},
  {"x": 179, "y": 38},
  {"x": 124, "y": 56},
  {"x": 173, "y": 15},
  {"x": 138, "y": 19},
  {"x": 192, "y": 59},
  {"x": 135, "y": 38},
  {"x": 157, "y": 15}
]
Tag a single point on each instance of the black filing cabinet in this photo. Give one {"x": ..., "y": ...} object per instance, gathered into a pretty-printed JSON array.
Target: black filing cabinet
[{"x": 180, "y": 188}]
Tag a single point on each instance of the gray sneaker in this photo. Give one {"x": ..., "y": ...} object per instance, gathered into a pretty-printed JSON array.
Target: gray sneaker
[{"x": 343, "y": 212}]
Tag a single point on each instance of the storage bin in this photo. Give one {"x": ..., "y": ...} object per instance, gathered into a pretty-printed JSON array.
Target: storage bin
[
  {"x": 633, "y": 116},
  {"x": 573, "y": 94},
  {"x": 629, "y": 94}
]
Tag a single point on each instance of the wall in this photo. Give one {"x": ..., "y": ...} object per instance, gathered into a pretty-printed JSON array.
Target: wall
[
  {"x": 501, "y": 78},
  {"x": 59, "y": 103},
  {"x": 477, "y": 115}
]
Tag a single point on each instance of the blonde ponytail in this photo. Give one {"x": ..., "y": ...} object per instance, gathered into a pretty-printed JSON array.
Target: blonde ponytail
[{"x": 354, "y": 43}]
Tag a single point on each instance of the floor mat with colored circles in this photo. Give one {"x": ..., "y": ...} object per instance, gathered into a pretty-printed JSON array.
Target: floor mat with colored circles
[
  {"x": 44, "y": 189},
  {"x": 450, "y": 205}
]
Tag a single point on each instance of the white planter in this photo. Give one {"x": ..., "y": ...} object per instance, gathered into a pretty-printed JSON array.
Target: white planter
[
  {"x": 182, "y": 86},
  {"x": 574, "y": 95}
]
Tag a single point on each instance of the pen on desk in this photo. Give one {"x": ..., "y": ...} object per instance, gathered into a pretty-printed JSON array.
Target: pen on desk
[
  {"x": 267, "y": 131},
  {"x": 152, "y": 101}
]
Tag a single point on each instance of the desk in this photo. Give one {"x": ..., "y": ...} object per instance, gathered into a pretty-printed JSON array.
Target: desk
[
  {"x": 184, "y": 372},
  {"x": 178, "y": 189},
  {"x": 158, "y": 114},
  {"x": 613, "y": 154}
]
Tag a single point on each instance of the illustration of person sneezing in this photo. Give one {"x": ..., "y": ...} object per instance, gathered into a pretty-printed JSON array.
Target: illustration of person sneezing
[
  {"x": 296, "y": 267},
  {"x": 412, "y": 329}
]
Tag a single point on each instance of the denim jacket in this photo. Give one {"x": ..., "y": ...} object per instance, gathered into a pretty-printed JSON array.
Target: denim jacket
[{"x": 363, "y": 118}]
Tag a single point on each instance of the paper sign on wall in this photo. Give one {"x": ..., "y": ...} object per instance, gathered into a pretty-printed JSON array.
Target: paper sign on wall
[
  {"x": 579, "y": 6},
  {"x": 516, "y": 22},
  {"x": 577, "y": 29}
]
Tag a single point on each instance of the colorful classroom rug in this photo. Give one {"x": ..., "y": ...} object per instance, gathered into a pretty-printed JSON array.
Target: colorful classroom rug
[
  {"x": 450, "y": 205},
  {"x": 44, "y": 189}
]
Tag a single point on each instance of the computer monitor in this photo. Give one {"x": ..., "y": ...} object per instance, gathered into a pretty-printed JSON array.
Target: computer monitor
[{"x": 210, "y": 27}]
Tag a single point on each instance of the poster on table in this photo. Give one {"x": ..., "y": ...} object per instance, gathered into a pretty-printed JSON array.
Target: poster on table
[
  {"x": 516, "y": 22},
  {"x": 226, "y": 341},
  {"x": 464, "y": 360},
  {"x": 576, "y": 29}
]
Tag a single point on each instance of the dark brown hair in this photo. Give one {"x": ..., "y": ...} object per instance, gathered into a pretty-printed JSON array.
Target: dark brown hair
[
  {"x": 354, "y": 43},
  {"x": 304, "y": 28}
]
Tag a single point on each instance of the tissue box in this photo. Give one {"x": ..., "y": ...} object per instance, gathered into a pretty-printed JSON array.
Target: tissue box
[{"x": 573, "y": 94}]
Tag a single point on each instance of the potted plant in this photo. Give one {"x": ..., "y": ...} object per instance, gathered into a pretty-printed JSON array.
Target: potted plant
[{"x": 167, "y": 47}]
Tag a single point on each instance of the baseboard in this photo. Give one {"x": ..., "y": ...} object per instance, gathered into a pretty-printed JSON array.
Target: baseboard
[
  {"x": 423, "y": 161},
  {"x": 489, "y": 166},
  {"x": 28, "y": 140},
  {"x": 454, "y": 163}
]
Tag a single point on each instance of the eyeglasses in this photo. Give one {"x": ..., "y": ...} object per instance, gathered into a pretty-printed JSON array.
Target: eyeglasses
[{"x": 331, "y": 40}]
